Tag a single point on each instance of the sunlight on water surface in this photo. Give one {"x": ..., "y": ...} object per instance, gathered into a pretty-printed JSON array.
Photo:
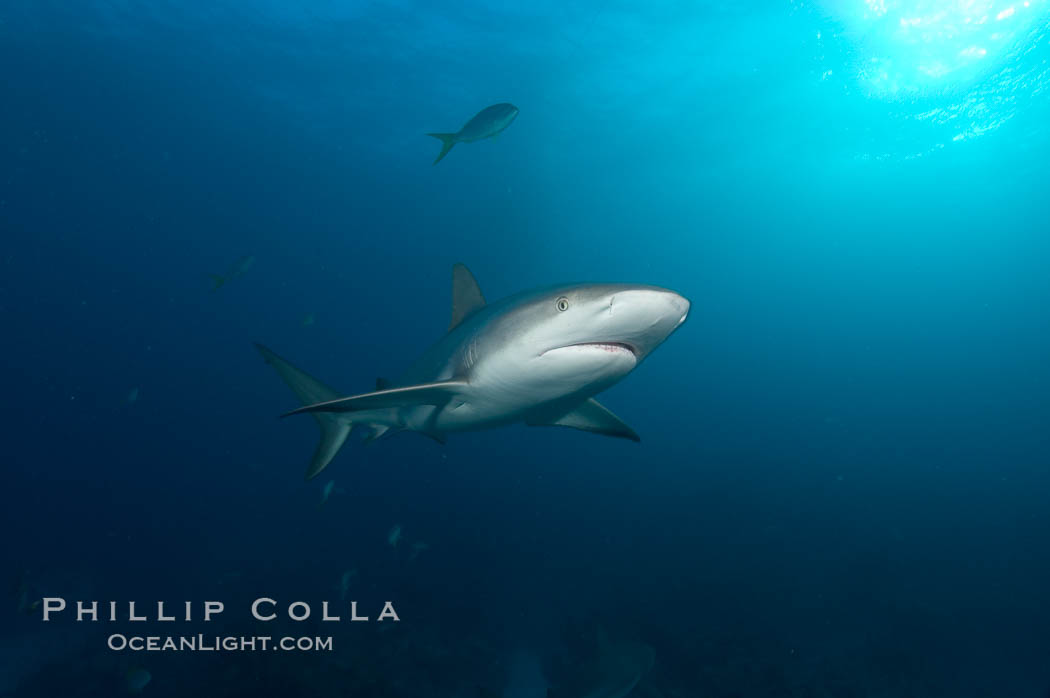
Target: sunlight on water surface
[
  {"x": 933, "y": 45},
  {"x": 963, "y": 67}
]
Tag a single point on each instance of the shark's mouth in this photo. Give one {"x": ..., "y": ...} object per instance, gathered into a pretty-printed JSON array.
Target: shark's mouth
[{"x": 611, "y": 347}]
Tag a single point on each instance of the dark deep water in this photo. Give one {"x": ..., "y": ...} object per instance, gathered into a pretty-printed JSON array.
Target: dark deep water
[{"x": 842, "y": 484}]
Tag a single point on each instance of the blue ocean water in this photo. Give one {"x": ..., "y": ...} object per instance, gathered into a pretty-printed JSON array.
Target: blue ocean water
[{"x": 842, "y": 483}]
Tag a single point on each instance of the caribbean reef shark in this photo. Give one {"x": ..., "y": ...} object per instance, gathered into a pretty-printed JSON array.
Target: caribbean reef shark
[
  {"x": 614, "y": 672},
  {"x": 538, "y": 357}
]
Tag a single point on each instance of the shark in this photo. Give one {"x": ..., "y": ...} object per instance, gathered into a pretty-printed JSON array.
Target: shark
[
  {"x": 538, "y": 357},
  {"x": 616, "y": 671}
]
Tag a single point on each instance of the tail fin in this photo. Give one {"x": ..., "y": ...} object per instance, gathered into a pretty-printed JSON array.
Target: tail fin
[
  {"x": 447, "y": 141},
  {"x": 334, "y": 428},
  {"x": 216, "y": 281}
]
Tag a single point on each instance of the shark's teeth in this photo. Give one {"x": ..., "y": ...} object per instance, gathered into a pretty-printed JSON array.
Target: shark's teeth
[{"x": 607, "y": 346}]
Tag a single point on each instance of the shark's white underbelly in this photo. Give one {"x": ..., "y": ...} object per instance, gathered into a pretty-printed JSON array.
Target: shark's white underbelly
[
  {"x": 464, "y": 416},
  {"x": 507, "y": 387}
]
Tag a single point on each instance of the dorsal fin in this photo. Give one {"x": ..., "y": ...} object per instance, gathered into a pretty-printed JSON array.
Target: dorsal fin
[{"x": 466, "y": 295}]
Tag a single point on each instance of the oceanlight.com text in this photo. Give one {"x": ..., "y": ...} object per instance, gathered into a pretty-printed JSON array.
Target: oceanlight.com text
[{"x": 217, "y": 643}]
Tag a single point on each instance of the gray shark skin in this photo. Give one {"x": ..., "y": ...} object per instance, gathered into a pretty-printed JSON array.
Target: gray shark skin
[
  {"x": 487, "y": 123},
  {"x": 537, "y": 357}
]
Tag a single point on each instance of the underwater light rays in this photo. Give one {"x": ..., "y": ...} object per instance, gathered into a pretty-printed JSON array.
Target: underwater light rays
[
  {"x": 914, "y": 47},
  {"x": 979, "y": 69}
]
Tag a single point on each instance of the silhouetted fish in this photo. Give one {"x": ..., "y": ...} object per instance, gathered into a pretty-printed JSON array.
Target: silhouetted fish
[
  {"x": 486, "y": 123},
  {"x": 239, "y": 268}
]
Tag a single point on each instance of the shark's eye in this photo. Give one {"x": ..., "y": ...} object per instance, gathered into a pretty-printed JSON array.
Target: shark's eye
[{"x": 562, "y": 304}]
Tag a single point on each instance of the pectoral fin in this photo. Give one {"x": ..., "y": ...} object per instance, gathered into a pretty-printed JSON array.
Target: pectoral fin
[
  {"x": 436, "y": 436},
  {"x": 423, "y": 394},
  {"x": 589, "y": 415}
]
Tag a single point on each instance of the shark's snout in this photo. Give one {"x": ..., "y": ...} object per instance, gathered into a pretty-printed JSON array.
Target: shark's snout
[
  {"x": 681, "y": 306},
  {"x": 642, "y": 317},
  {"x": 672, "y": 309},
  {"x": 655, "y": 303}
]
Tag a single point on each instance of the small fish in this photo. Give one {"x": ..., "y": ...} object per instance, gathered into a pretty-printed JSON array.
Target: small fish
[
  {"x": 417, "y": 547},
  {"x": 27, "y": 605},
  {"x": 133, "y": 395},
  {"x": 487, "y": 123},
  {"x": 326, "y": 492},
  {"x": 344, "y": 583},
  {"x": 308, "y": 320},
  {"x": 136, "y": 678},
  {"x": 24, "y": 601},
  {"x": 394, "y": 536},
  {"x": 239, "y": 268}
]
